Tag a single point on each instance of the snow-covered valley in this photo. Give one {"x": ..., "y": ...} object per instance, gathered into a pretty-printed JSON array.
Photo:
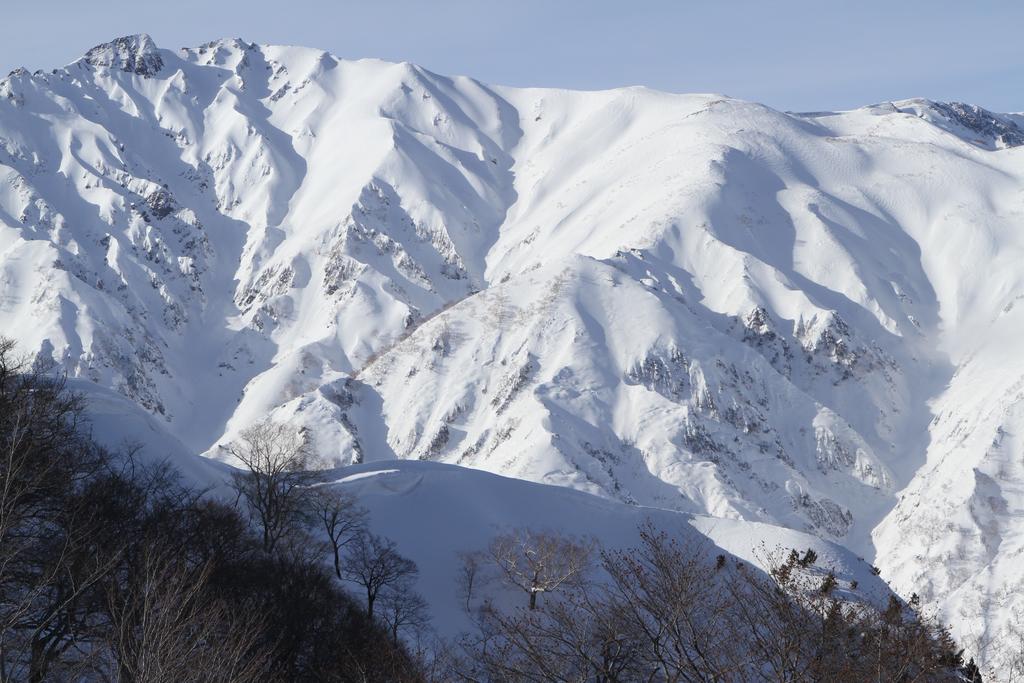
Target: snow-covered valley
[{"x": 685, "y": 302}]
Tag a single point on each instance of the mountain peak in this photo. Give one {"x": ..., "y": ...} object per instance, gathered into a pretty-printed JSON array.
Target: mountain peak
[
  {"x": 136, "y": 54},
  {"x": 975, "y": 124}
]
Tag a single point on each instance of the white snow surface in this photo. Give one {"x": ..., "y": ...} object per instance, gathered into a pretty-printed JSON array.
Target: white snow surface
[
  {"x": 437, "y": 513},
  {"x": 687, "y": 302}
]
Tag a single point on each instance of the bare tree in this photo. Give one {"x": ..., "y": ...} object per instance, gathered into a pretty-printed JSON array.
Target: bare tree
[
  {"x": 165, "y": 628},
  {"x": 436, "y": 657},
  {"x": 373, "y": 563},
  {"x": 670, "y": 599},
  {"x": 539, "y": 562},
  {"x": 341, "y": 517},
  {"x": 573, "y": 636},
  {"x": 401, "y": 607},
  {"x": 468, "y": 576},
  {"x": 276, "y": 477}
]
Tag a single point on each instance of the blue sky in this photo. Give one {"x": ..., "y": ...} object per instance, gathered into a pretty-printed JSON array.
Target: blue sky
[{"x": 789, "y": 54}]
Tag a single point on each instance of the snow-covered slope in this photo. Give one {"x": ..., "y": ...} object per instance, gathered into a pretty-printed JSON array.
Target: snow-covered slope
[
  {"x": 437, "y": 514},
  {"x": 120, "y": 425},
  {"x": 684, "y": 301}
]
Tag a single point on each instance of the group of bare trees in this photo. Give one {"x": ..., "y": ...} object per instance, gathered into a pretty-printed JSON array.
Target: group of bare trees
[
  {"x": 663, "y": 612},
  {"x": 291, "y": 508},
  {"x": 115, "y": 571},
  {"x": 50, "y": 570},
  {"x": 163, "y": 623}
]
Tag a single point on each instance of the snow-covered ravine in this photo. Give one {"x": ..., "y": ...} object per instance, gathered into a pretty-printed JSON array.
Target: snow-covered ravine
[{"x": 687, "y": 302}]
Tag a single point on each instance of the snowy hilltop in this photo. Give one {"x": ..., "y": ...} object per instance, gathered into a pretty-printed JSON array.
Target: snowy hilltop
[{"x": 688, "y": 302}]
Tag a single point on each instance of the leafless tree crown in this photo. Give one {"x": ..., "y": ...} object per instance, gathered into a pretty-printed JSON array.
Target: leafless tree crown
[
  {"x": 539, "y": 562},
  {"x": 275, "y": 479}
]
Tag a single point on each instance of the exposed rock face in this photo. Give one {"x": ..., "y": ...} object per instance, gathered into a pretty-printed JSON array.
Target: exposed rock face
[
  {"x": 133, "y": 54},
  {"x": 1003, "y": 132},
  {"x": 973, "y": 124},
  {"x": 687, "y": 302}
]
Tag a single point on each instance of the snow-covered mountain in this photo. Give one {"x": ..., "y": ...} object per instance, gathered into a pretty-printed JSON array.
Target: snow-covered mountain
[{"x": 689, "y": 302}]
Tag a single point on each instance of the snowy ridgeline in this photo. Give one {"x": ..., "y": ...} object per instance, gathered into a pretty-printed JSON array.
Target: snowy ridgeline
[{"x": 687, "y": 302}]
